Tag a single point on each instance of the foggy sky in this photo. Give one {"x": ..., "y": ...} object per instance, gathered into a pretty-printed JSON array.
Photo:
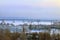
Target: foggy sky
[{"x": 41, "y": 9}]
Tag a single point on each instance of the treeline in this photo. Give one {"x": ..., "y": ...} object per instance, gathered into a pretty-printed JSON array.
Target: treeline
[{"x": 7, "y": 35}]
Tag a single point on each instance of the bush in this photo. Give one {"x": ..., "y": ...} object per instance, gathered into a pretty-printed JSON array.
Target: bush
[{"x": 44, "y": 36}]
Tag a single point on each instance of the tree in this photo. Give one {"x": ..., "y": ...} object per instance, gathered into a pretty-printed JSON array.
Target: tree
[{"x": 30, "y": 27}]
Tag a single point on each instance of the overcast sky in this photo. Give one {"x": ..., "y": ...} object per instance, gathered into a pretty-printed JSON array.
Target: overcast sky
[{"x": 41, "y": 9}]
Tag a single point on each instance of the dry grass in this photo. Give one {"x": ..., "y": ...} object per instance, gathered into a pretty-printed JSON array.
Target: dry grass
[{"x": 6, "y": 35}]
